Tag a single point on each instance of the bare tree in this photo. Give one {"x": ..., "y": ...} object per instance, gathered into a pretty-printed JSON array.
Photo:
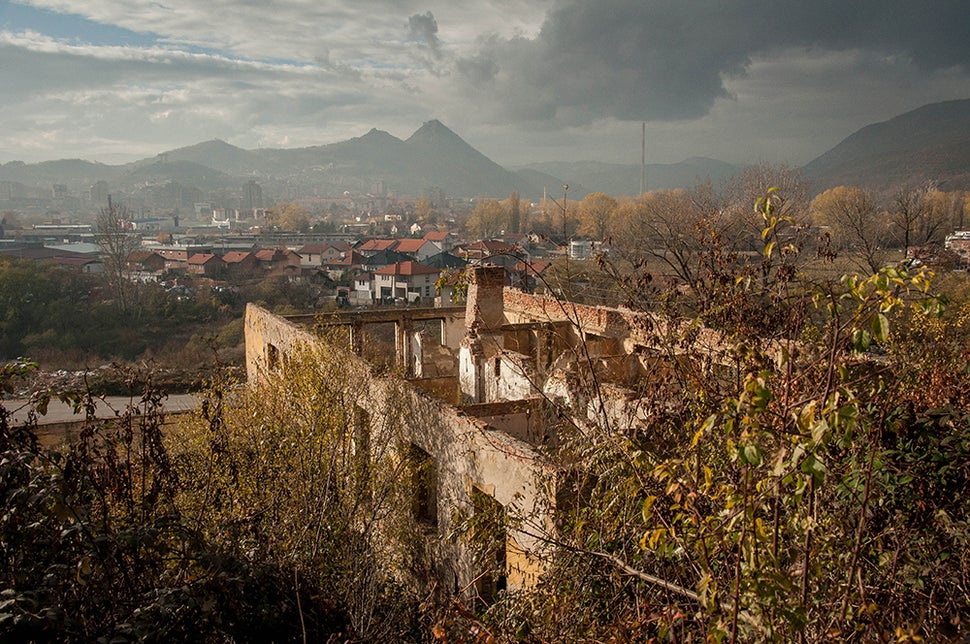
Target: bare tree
[
  {"x": 488, "y": 219},
  {"x": 596, "y": 212},
  {"x": 852, "y": 215},
  {"x": 753, "y": 184},
  {"x": 672, "y": 226},
  {"x": 941, "y": 211},
  {"x": 117, "y": 242}
]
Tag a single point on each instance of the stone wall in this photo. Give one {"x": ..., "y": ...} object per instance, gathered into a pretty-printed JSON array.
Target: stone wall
[{"x": 468, "y": 453}]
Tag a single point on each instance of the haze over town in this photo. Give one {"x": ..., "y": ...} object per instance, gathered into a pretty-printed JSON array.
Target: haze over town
[{"x": 522, "y": 81}]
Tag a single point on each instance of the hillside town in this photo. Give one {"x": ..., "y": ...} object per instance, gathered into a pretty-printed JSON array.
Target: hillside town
[{"x": 358, "y": 259}]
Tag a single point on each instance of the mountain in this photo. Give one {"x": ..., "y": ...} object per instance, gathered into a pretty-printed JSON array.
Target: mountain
[
  {"x": 354, "y": 164},
  {"x": 439, "y": 157},
  {"x": 186, "y": 173},
  {"x": 63, "y": 171},
  {"x": 928, "y": 143},
  {"x": 433, "y": 156},
  {"x": 219, "y": 155},
  {"x": 619, "y": 179},
  {"x": 552, "y": 185}
]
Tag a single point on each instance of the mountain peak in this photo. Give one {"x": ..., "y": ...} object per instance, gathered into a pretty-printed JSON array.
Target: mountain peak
[
  {"x": 211, "y": 144},
  {"x": 378, "y": 136},
  {"x": 434, "y": 132}
]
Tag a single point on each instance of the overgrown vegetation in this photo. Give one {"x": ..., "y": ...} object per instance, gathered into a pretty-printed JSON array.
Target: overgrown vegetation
[
  {"x": 68, "y": 320},
  {"x": 800, "y": 478},
  {"x": 799, "y": 481},
  {"x": 261, "y": 519}
]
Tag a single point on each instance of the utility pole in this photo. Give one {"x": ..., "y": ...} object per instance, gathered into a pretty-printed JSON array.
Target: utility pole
[{"x": 565, "y": 189}]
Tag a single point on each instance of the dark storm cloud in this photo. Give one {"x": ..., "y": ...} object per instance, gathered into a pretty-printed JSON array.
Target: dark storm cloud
[
  {"x": 424, "y": 28},
  {"x": 667, "y": 59}
]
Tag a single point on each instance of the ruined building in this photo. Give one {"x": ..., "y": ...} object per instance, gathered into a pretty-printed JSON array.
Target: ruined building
[{"x": 491, "y": 390}]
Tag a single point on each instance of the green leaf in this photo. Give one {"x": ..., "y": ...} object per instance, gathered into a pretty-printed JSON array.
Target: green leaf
[
  {"x": 861, "y": 340},
  {"x": 880, "y": 327},
  {"x": 812, "y": 465},
  {"x": 751, "y": 454}
]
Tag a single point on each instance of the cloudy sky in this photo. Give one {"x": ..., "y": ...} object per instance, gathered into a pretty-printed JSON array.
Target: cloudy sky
[{"x": 521, "y": 80}]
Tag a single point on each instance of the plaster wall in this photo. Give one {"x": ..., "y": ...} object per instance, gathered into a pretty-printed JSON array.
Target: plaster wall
[{"x": 468, "y": 453}]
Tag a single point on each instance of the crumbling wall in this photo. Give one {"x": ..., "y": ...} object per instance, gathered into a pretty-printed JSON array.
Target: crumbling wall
[
  {"x": 510, "y": 376},
  {"x": 269, "y": 339},
  {"x": 527, "y": 420},
  {"x": 632, "y": 329},
  {"x": 431, "y": 359},
  {"x": 467, "y": 452}
]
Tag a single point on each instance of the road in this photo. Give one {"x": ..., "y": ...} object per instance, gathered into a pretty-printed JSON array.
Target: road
[{"x": 58, "y": 412}]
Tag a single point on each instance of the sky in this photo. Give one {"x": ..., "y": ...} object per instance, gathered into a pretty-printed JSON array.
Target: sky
[{"x": 744, "y": 81}]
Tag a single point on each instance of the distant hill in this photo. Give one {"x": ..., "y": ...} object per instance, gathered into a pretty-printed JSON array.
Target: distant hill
[
  {"x": 362, "y": 155},
  {"x": 186, "y": 173},
  {"x": 434, "y": 156},
  {"x": 64, "y": 171},
  {"x": 219, "y": 155},
  {"x": 928, "y": 143},
  {"x": 553, "y": 185},
  {"x": 618, "y": 179}
]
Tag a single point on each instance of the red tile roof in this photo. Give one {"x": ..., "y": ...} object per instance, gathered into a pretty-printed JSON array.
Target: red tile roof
[
  {"x": 202, "y": 258},
  {"x": 269, "y": 255},
  {"x": 535, "y": 267},
  {"x": 138, "y": 256},
  {"x": 352, "y": 258},
  {"x": 410, "y": 245},
  {"x": 490, "y": 246},
  {"x": 436, "y": 235},
  {"x": 235, "y": 256},
  {"x": 377, "y": 244},
  {"x": 407, "y": 268},
  {"x": 314, "y": 249}
]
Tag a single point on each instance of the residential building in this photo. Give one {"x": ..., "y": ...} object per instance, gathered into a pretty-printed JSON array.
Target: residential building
[
  {"x": 206, "y": 264},
  {"x": 419, "y": 249},
  {"x": 380, "y": 259},
  {"x": 145, "y": 263},
  {"x": 486, "y": 251},
  {"x": 959, "y": 243},
  {"x": 405, "y": 280},
  {"x": 279, "y": 261},
  {"x": 446, "y": 240},
  {"x": 319, "y": 254},
  {"x": 372, "y": 246},
  {"x": 240, "y": 264},
  {"x": 443, "y": 261}
]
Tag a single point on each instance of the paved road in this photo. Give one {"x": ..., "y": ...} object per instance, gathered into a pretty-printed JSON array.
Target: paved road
[{"x": 58, "y": 412}]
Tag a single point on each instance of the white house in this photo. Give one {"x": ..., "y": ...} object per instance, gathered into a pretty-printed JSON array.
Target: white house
[{"x": 409, "y": 280}]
